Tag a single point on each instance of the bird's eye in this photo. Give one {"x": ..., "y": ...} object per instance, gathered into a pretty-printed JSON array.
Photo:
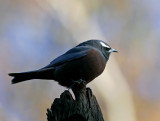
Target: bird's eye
[{"x": 107, "y": 48}]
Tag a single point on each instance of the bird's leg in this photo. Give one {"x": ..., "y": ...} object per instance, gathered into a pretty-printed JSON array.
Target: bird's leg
[
  {"x": 82, "y": 81},
  {"x": 70, "y": 87}
]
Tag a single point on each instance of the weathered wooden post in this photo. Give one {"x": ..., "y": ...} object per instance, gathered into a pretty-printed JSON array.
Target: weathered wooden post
[{"x": 83, "y": 108}]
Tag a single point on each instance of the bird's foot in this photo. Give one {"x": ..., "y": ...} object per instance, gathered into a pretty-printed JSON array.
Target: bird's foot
[{"x": 81, "y": 83}]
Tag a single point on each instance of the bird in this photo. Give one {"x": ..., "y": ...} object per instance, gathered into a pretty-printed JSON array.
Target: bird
[{"x": 86, "y": 61}]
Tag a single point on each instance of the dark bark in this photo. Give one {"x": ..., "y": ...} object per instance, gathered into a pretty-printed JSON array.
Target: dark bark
[{"x": 83, "y": 108}]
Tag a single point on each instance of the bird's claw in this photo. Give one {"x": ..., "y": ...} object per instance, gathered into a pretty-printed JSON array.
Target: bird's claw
[{"x": 80, "y": 82}]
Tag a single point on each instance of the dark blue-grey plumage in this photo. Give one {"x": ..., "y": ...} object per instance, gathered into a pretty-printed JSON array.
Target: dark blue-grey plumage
[
  {"x": 73, "y": 54},
  {"x": 85, "y": 61}
]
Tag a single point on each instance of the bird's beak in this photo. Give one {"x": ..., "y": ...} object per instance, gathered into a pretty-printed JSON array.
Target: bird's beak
[{"x": 113, "y": 50}]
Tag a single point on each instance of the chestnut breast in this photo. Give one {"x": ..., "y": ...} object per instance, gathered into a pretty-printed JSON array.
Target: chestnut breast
[{"x": 86, "y": 68}]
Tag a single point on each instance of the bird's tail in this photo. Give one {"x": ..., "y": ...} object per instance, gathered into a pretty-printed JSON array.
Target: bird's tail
[{"x": 19, "y": 77}]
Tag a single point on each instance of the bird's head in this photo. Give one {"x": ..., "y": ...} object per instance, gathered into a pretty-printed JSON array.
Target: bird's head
[{"x": 100, "y": 46}]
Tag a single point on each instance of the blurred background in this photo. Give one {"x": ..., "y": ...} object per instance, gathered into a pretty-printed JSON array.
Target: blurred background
[{"x": 34, "y": 32}]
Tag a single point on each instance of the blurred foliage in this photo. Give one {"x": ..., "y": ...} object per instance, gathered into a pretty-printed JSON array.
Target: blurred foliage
[{"x": 34, "y": 32}]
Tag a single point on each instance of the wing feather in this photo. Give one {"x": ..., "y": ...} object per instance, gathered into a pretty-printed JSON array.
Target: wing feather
[{"x": 73, "y": 54}]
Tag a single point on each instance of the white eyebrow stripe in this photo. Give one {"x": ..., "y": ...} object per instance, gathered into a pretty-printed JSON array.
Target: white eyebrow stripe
[{"x": 104, "y": 45}]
